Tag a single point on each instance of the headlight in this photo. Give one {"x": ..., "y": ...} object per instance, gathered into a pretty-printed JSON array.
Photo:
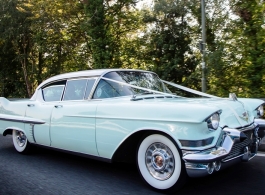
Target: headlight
[
  {"x": 260, "y": 111},
  {"x": 213, "y": 121}
]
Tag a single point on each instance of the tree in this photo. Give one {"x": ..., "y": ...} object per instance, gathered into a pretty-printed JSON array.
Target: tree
[
  {"x": 169, "y": 41},
  {"x": 46, "y": 36},
  {"x": 108, "y": 22},
  {"x": 15, "y": 29},
  {"x": 12, "y": 83},
  {"x": 250, "y": 44}
]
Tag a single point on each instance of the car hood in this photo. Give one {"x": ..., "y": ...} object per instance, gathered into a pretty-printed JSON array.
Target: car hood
[{"x": 234, "y": 114}]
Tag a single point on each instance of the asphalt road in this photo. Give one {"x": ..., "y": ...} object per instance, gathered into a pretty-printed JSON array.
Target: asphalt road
[{"x": 54, "y": 173}]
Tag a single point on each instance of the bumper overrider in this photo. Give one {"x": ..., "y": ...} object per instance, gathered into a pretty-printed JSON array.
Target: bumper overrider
[{"x": 233, "y": 145}]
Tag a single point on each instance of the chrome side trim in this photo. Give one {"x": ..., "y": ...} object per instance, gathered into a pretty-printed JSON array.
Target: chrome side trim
[
  {"x": 21, "y": 119},
  {"x": 31, "y": 131}
]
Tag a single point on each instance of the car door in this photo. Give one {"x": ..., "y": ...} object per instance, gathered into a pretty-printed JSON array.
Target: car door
[
  {"x": 42, "y": 109},
  {"x": 73, "y": 119}
]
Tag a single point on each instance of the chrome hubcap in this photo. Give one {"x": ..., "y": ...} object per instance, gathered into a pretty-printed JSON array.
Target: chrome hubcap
[
  {"x": 159, "y": 161},
  {"x": 21, "y": 139}
]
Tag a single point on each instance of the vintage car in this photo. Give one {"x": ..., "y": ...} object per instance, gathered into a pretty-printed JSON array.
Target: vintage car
[{"x": 119, "y": 115}]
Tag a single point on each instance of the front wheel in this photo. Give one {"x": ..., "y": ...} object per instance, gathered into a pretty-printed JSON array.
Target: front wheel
[
  {"x": 159, "y": 163},
  {"x": 20, "y": 142}
]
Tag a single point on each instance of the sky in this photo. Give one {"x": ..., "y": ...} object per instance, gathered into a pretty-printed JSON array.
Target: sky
[{"x": 143, "y": 3}]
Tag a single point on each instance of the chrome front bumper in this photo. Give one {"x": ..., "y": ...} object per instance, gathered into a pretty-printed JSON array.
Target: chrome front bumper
[{"x": 201, "y": 163}]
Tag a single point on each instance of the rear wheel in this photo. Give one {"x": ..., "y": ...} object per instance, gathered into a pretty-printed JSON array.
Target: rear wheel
[
  {"x": 160, "y": 164},
  {"x": 20, "y": 142}
]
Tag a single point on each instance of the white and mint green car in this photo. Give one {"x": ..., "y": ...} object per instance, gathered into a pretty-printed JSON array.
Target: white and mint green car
[{"x": 132, "y": 115}]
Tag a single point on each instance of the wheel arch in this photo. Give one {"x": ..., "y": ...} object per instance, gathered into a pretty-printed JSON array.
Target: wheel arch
[
  {"x": 9, "y": 130},
  {"x": 127, "y": 151}
]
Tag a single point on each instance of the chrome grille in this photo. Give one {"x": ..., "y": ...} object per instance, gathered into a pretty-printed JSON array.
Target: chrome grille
[{"x": 238, "y": 148}]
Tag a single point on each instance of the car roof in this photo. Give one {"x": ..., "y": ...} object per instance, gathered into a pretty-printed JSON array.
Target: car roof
[{"x": 84, "y": 73}]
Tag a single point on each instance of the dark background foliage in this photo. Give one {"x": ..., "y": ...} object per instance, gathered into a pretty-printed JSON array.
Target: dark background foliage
[{"x": 40, "y": 39}]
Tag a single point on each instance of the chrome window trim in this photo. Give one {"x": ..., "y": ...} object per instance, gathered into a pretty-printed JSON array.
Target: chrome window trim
[
  {"x": 70, "y": 79},
  {"x": 84, "y": 74},
  {"x": 95, "y": 86},
  {"x": 50, "y": 83},
  {"x": 97, "y": 79}
]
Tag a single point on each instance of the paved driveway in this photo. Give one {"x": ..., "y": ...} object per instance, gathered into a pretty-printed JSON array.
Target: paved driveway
[{"x": 54, "y": 173}]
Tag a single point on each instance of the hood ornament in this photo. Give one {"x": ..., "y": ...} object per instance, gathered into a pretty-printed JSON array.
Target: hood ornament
[
  {"x": 232, "y": 96},
  {"x": 244, "y": 116}
]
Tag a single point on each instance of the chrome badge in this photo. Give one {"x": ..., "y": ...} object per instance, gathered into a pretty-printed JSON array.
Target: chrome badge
[{"x": 244, "y": 116}]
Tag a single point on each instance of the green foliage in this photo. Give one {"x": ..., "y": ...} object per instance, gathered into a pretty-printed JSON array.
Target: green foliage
[
  {"x": 169, "y": 49},
  {"x": 248, "y": 30},
  {"x": 42, "y": 38},
  {"x": 11, "y": 80},
  {"x": 108, "y": 24},
  {"x": 46, "y": 37},
  {"x": 239, "y": 55},
  {"x": 95, "y": 28}
]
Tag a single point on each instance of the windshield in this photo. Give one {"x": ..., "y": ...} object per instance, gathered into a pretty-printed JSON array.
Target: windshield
[
  {"x": 141, "y": 79},
  {"x": 107, "y": 89}
]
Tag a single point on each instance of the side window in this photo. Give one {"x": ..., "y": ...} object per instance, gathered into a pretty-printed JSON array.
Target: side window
[
  {"x": 53, "y": 93},
  {"x": 75, "y": 89}
]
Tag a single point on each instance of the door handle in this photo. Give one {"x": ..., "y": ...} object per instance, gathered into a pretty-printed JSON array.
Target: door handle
[
  {"x": 58, "y": 106},
  {"x": 31, "y": 105}
]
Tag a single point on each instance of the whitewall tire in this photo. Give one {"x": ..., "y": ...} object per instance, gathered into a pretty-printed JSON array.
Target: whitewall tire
[
  {"x": 20, "y": 142},
  {"x": 160, "y": 164}
]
